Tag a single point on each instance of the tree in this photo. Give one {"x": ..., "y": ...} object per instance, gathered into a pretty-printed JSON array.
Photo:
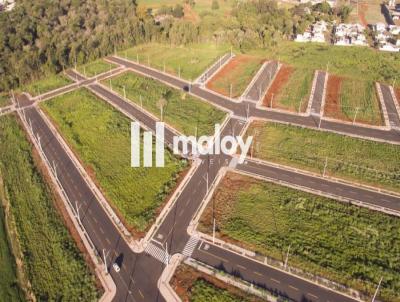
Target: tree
[
  {"x": 215, "y": 5},
  {"x": 178, "y": 11},
  {"x": 163, "y": 101}
]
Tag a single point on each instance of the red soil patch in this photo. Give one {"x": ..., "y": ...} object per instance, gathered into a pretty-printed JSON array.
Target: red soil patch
[
  {"x": 332, "y": 99},
  {"x": 397, "y": 93},
  {"x": 363, "y": 7},
  {"x": 190, "y": 15},
  {"x": 233, "y": 64},
  {"x": 280, "y": 80}
]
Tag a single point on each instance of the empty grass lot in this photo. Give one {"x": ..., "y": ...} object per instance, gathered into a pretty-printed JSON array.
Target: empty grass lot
[
  {"x": 362, "y": 63},
  {"x": 295, "y": 93},
  {"x": 46, "y": 84},
  {"x": 9, "y": 288},
  {"x": 182, "y": 111},
  {"x": 4, "y": 99},
  {"x": 352, "y": 100},
  {"x": 94, "y": 68},
  {"x": 100, "y": 136},
  {"x": 344, "y": 243},
  {"x": 364, "y": 161},
  {"x": 234, "y": 77},
  {"x": 192, "y": 60},
  {"x": 55, "y": 267},
  {"x": 193, "y": 285}
]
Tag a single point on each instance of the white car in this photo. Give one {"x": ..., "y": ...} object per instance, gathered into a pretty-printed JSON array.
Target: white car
[{"x": 116, "y": 267}]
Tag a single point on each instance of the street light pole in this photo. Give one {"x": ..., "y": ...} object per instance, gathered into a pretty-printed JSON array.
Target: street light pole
[
  {"x": 105, "y": 261},
  {"x": 355, "y": 115},
  {"x": 377, "y": 290},
  {"x": 325, "y": 166},
  {"x": 287, "y": 256}
]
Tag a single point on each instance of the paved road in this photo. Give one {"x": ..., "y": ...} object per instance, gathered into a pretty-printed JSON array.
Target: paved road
[
  {"x": 137, "y": 271},
  {"x": 214, "y": 68},
  {"x": 316, "y": 102},
  {"x": 262, "y": 82},
  {"x": 324, "y": 185},
  {"x": 243, "y": 109},
  {"x": 393, "y": 115},
  {"x": 137, "y": 280}
]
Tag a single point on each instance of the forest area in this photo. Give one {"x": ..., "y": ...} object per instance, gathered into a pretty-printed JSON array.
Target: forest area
[{"x": 44, "y": 37}]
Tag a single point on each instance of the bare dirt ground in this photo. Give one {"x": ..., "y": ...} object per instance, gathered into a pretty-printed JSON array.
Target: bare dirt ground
[
  {"x": 332, "y": 101},
  {"x": 185, "y": 276},
  {"x": 190, "y": 14},
  {"x": 363, "y": 7},
  {"x": 280, "y": 80},
  {"x": 397, "y": 93},
  {"x": 234, "y": 66}
]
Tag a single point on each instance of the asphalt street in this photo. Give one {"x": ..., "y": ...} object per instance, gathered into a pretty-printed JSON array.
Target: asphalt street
[
  {"x": 137, "y": 280},
  {"x": 393, "y": 115},
  {"x": 245, "y": 109}
]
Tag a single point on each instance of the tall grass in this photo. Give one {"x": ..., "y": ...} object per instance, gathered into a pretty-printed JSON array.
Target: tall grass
[{"x": 55, "y": 267}]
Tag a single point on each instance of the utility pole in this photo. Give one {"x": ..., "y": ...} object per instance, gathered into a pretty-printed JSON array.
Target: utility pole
[
  {"x": 214, "y": 230},
  {"x": 179, "y": 71},
  {"x": 141, "y": 101},
  {"x": 111, "y": 85},
  {"x": 287, "y": 256},
  {"x": 78, "y": 216},
  {"x": 301, "y": 102},
  {"x": 325, "y": 166},
  {"x": 206, "y": 179},
  {"x": 272, "y": 100},
  {"x": 355, "y": 115},
  {"x": 166, "y": 252},
  {"x": 124, "y": 93},
  {"x": 320, "y": 121},
  {"x": 377, "y": 290},
  {"x": 55, "y": 169},
  {"x": 230, "y": 91},
  {"x": 247, "y": 111},
  {"x": 105, "y": 260}
]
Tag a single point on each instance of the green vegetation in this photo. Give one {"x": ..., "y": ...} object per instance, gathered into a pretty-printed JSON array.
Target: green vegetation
[
  {"x": 4, "y": 99},
  {"x": 94, "y": 68},
  {"x": 349, "y": 244},
  {"x": 193, "y": 285},
  {"x": 9, "y": 288},
  {"x": 101, "y": 137},
  {"x": 236, "y": 75},
  {"x": 355, "y": 159},
  {"x": 296, "y": 91},
  {"x": 191, "y": 60},
  {"x": 360, "y": 97},
  {"x": 360, "y": 63},
  {"x": 46, "y": 84},
  {"x": 180, "y": 110},
  {"x": 205, "y": 291},
  {"x": 55, "y": 267}
]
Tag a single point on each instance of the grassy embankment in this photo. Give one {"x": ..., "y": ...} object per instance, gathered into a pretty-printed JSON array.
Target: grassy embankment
[
  {"x": 95, "y": 68},
  {"x": 195, "y": 286},
  {"x": 192, "y": 60},
  {"x": 55, "y": 267},
  {"x": 348, "y": 244},
  {"x": 46, "y": 84},
  {"x": 182, "y": 111},
  {"x": 100, "y": 136},
  {"x": 363, "y": 161},
  {"x": 234, "y": 78}
]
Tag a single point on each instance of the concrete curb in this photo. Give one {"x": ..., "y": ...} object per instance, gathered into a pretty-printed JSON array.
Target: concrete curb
[
  {"x": 383, "y": 105},
  {"x": 164, "y": 282},
  {"x": 204, "y": 82}
]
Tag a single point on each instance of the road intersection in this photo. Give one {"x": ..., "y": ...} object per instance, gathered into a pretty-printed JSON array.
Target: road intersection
[{"x": 140, "y": 272}]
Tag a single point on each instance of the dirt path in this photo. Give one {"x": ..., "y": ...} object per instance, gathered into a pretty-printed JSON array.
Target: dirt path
[
  {"x": 332, "y": 101},
  {"x": 362, "y": 9},
  {"x": 273, "y": 92},
  {"x": 226, "y": 73}
]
